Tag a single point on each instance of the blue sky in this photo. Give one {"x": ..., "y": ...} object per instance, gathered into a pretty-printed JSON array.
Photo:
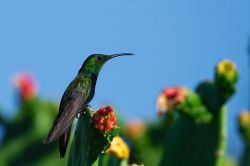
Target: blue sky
[{"x": 175, "y": 42}]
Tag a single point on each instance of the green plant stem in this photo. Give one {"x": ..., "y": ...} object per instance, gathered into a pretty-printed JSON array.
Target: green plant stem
[{"x": 222, "y": 136}]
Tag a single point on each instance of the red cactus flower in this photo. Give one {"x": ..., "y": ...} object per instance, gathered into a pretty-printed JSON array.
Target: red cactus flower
[
  {"x": 170, "y": 98},
  {"x": 25, "y": 85},
  {"x": 104, "y": 119}
]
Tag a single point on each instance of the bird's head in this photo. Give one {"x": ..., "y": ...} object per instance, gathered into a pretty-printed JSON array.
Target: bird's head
[{"x": 94, "y": 62}]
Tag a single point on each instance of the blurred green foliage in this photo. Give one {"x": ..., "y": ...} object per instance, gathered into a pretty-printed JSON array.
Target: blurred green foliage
[{"x": 24, "y": 133}]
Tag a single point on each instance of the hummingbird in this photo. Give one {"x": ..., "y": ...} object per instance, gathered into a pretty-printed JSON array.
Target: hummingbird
[{"x": 76, "y": 98}]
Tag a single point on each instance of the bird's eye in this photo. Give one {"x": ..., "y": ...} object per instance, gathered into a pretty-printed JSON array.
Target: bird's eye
[{"x": 99, "y": 58}]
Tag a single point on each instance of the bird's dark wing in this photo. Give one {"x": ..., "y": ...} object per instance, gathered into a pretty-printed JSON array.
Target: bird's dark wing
[{"x": 71, "y": 103}]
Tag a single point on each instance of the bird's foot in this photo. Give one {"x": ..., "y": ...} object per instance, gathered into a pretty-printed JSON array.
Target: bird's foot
[{"x": 78, "y": 115}]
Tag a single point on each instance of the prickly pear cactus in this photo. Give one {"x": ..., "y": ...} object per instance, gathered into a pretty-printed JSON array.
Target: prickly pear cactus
[
  {"x": 197, "y": 135},
  {"x": 93, "y": 135}
]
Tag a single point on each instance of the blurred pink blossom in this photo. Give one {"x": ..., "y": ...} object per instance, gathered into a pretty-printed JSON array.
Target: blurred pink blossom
[
  {"x": 170, "y": 98},
  {"x": 25, "y": 85}
]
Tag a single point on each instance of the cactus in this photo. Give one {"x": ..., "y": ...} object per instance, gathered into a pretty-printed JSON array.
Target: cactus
[
  {"x": 198, "y": 135},
  {"x": 93, "y": 135},
  {"x": 190, "y": 143},
  {"x": 244, "y": 128}
]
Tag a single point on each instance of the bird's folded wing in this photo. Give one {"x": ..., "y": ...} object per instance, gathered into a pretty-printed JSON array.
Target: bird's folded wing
[{"x": 69, "y": 108}]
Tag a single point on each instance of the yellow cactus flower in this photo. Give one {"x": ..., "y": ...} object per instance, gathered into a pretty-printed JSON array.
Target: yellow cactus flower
[
  {"x": 119, "y": 148},
  {"x": 226, "y": 67},
  {"x": 244, "y": 118}
]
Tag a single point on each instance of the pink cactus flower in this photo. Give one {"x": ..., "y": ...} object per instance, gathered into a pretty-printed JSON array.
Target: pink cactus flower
[{"x": 170, "y": 98}]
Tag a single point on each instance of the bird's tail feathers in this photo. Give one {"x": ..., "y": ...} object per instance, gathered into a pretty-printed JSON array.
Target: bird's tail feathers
[
  {"x": 63, "y": 142},
  {"x": 49, "y": 139}
]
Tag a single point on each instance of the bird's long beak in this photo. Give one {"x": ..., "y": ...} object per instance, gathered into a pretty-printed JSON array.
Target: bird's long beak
[{"x": 121, "y": 54}]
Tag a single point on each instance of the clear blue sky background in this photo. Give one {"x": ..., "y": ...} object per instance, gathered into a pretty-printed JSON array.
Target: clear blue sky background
[{"x": 175, "y": 42}]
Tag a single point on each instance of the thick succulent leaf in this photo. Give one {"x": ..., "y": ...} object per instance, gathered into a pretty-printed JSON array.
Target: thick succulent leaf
[
  {"x": 193, "y": 108},
  {"x": 189, "y": 143},
  {"x": 80, "y": 147},
  {"x": 111, "y": 160}
]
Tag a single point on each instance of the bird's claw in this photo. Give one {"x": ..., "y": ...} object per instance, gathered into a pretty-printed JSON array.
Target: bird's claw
[{"x": 78, "y": 116}]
